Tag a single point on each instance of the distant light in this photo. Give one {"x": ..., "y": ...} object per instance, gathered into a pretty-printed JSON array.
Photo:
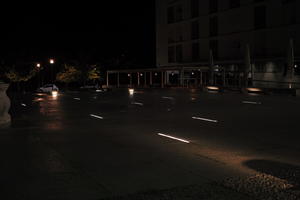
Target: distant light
[
  {"x": 54, "y": 93},
  {"x": 38, "y": 65},
  {"x": 23, "y": 104},
  {"x": 141, "y": 74},
  {"x": 296, "y": 66},
  {"x": 38, "y": 99},
  {"x": 254, "y": 90},
  {"x": 51, "y": 61},
  {"x": 96, "y": 116},
  {"x": 174, "y": 138},
  {"x": 212, "y": 88},
  {"x": 77, "y": 99},
  {"x": 155, "y": 74},
  {"x": 131, "y": 91},
  {"x": 204, "y": 119},
  {"x": 98, "y": 90},
  {"x": 193, "y": 73},
  {"x": 172, "y": 74},
  {"x": 129, "y": 75}
]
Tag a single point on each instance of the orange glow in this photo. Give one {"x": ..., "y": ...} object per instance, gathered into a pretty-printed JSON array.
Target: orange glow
[
  {"x": 254, "y": 90},
  {"x": 212, "y": 88},
  {"x": 131, "y": 91},
  {"x": 54, "y": 93}
]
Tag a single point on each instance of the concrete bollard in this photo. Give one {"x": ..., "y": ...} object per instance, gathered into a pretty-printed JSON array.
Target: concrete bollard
[{"x": 5, "y": 118}]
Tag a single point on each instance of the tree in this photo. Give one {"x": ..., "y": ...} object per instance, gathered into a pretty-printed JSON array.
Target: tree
[
  {"x": 93, "y": 74},
  {"x": 69, "y": 75},
  {"x": 20, "y": 74}
]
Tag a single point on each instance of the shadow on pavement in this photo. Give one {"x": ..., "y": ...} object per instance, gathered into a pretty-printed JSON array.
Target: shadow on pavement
[{"x": 288, "y": 172}]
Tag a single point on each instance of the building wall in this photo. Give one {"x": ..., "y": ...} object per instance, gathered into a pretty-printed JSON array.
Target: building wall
[{"x": 236, "y": 27}]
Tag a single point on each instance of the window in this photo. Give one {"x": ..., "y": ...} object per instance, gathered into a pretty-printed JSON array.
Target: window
[
  {"x": 195, "y": 8},
  {"x": 260, "y": 68},
  {"x": 260, "y": 17},
  {"x": 171, "y": 15},
  {"x": 179, "y": 13},
  {"x": 171, "y": 54},
  {"x": 195, "y": 30},
  {"x": 213, "y": 6},
  {"x": 234, "y": 3},
  {"x": 213, "y": 26},
  {"x": 195, "y": 51},
  {"x": 214, "y": 46},
  {"x": 179, "y": 53},
  {"x": 290, "y": 11}
]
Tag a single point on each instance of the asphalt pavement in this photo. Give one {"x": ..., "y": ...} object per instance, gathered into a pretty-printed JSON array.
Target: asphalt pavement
[{"x": 152, "y": 144}]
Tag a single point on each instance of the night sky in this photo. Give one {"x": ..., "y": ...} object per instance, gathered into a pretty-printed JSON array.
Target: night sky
[{"x": 96, "y": 32}]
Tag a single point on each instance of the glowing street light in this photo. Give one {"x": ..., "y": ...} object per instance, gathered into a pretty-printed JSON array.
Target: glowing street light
[
  {"x": 51, "y": 61},
  {"x": 38, "y": 65}
]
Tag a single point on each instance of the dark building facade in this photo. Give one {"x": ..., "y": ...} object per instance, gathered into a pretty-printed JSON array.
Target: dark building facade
[{"x": 221, "y": 36}]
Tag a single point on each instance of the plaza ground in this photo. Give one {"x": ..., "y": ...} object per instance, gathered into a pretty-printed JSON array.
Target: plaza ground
[{"x": 154, "y": 144}]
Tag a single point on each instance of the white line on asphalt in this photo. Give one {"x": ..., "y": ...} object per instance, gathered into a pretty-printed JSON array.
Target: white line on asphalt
[
  {"x": 77, "y": 99},
  {"x": 174, "y": 138},
  {"x": 204, "y": 119},
  {"x": 171, "y": 98},
  {"x": 23, "y": 104},
  {"x": 251, "y": 102},
  {"x": 96, "y": 116},
  {"x": 137, "y": 103}
]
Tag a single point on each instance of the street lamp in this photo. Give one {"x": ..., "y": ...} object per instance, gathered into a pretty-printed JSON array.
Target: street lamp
[
  {"x": 38, "y": 65},
  {"x": 51, "y": 61}
]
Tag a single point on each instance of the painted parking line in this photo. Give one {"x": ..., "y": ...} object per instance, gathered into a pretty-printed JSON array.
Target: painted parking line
[
  {"x": 251, "y": 102},
  {"x": 174, "y": 138},
  {"x": 137, "y": 103},
  {"x": 205, "y": 119},
  {"x": 77, "y": 99},
  {"x": 170, "y": 98},
  {"x": 96, "y": 116}
]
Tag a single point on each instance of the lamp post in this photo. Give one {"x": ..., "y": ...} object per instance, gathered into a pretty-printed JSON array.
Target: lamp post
[
  {"x": 51, "y": 61},
  {"x": 38, "y": 66}
]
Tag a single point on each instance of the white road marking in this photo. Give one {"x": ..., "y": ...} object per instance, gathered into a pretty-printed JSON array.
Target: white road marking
[
  {"x": 137, "y": 103},
  {"x": 96, "y": 116},
  {"x": 204, "y": 119},
  {"x": 77, "y": 99},
  {"x": 174, "y": 138},
  {"x": 23, "y": 104},
  {"x": 171, "y": 98},
  {"x": 251, "y": 102}
]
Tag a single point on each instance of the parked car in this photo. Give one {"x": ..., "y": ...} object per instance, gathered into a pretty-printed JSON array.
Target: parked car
[{"x": 48, "y": 88}]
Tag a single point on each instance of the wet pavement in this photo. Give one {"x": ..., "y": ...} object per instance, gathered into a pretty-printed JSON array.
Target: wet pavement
[{"x": 154, "y": 144}]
